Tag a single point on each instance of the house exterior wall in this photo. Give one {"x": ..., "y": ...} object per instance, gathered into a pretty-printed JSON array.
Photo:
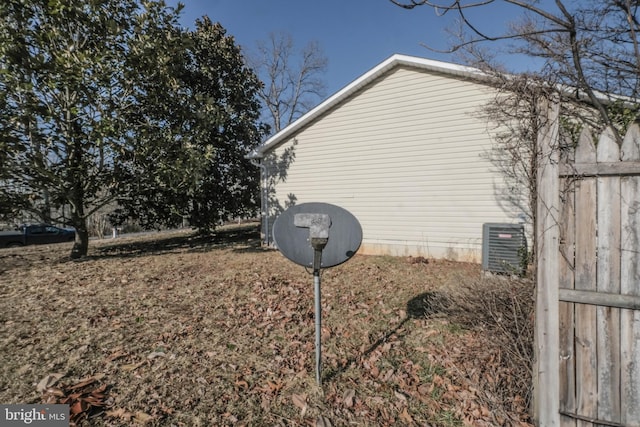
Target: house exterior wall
[{"x": 406, "y": 156}]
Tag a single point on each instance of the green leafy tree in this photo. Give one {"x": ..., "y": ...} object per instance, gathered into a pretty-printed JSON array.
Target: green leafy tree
[
  {"x": 64, "y": 68},
  {"x": 228, "y": 109},
  {"x": 191, "y": 163},
  {"x": 102, "y": 101},
  {"x": 61, "y": 71}
]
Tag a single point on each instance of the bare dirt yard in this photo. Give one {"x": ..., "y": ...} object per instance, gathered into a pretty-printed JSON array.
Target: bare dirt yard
[{"x": 177, "y": 329}]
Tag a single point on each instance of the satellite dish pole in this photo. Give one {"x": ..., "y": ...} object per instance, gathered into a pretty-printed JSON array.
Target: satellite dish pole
[{"x": 318, "y": 225}]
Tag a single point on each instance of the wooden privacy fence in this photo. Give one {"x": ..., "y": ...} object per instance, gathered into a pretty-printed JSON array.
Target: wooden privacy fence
[{"x": 588, "y": 291}]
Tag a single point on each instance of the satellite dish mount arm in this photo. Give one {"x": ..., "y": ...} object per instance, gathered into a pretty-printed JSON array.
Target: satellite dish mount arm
[{"x": 318, "y": 225}]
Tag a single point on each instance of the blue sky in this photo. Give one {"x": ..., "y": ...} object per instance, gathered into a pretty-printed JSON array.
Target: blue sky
[{"x": 355, "y": 35}]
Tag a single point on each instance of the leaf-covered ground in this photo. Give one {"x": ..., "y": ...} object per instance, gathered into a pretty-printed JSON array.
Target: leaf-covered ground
[{"x": 182, "y": 330}]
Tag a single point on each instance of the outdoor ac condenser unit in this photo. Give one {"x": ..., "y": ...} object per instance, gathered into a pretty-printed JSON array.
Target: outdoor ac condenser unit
[{"x": 504, "y": 248}]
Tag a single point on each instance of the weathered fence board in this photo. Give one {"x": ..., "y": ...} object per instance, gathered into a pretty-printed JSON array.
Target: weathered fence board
[
  {"x": 546, "y": 392},
  {"x": 585, "y": 279},
  {"x": 608, "y": 281},
  {"x": 601, "y": 169},
  {"x": 604, "y": 299},
  {"x": 630, "y": 281},
  {"x": 566, "y": 309}
]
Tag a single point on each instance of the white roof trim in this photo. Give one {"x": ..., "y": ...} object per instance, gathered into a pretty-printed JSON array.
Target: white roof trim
[{"x": 359, "y": 83}]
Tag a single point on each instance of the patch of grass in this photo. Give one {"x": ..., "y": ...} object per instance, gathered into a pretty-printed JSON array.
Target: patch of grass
[
  {"x": 447, "y": 419},
  {"x": 455, "y": 328},
  {"x": 428, "y": 370}
]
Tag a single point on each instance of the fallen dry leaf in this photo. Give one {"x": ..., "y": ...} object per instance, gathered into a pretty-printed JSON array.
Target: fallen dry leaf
[
  {"x": 119, "y": 413},
  {"x": 142, "y": 417},
  {"x": 348, "y": 397},
  {"x": 323, "y": 421},
  {"x": 400, "y": 396},
  {"x": 87, "y": 381},
  {"x": 77, "y": 408},
  {"x": 116, "y": 354},
  {"x": 132, "y": 366},
  {"x": 300, "y": 401},
  {"x": 48, "y": 381},
  {"x": 155, "y": 354},
  {"x": 406, "y": 418}
]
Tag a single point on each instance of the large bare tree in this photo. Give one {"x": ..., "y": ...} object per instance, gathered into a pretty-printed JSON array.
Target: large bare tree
[
  {"x": 590, "y": 46},
  {"x": 293, "y": 79}
]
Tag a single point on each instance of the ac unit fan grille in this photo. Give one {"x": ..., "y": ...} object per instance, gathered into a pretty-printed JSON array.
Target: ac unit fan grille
[{"x": 504, "y": 247}]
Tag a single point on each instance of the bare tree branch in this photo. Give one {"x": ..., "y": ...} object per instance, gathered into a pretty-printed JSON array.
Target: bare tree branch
[
  {"x": 292, "y": 79},
  {"x": 590, "y": 45},
  {"x": 454, "y": 5}
]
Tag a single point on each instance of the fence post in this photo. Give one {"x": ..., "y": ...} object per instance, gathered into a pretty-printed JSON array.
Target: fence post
[{"x": 546, "y": 370}]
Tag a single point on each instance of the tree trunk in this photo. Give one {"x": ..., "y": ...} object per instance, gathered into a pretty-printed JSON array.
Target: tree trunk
[
  {"x": 81, "y": 245},
  {"x": 79, "y": 173}
]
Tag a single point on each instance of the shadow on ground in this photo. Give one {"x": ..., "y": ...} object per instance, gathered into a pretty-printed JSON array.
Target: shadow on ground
[
  {"x": 428, "y": 304},
  {"x": 425, "y": 305},
  {"x": 242, "y": 238}
]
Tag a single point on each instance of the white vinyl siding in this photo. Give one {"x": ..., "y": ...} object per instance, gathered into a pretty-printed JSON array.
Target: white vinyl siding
[{"x": 406, "y": 156}]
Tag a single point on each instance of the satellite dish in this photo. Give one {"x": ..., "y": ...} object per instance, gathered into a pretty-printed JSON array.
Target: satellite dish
[
  {"x": 317, "y": 235},
  {"x": 295, "y": 228}
]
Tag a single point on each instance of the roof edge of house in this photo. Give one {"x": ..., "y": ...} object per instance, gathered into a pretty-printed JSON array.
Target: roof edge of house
[
  {"x": 388, "y": 64},
  {"x": 380, "y": 69}
]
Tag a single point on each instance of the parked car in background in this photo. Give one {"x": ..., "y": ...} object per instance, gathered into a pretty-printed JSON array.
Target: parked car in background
[{"x": 36, "y": 234}]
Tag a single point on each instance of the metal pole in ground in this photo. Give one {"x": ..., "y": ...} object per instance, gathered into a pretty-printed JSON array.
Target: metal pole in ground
[{"x": 318, "y": 310}]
